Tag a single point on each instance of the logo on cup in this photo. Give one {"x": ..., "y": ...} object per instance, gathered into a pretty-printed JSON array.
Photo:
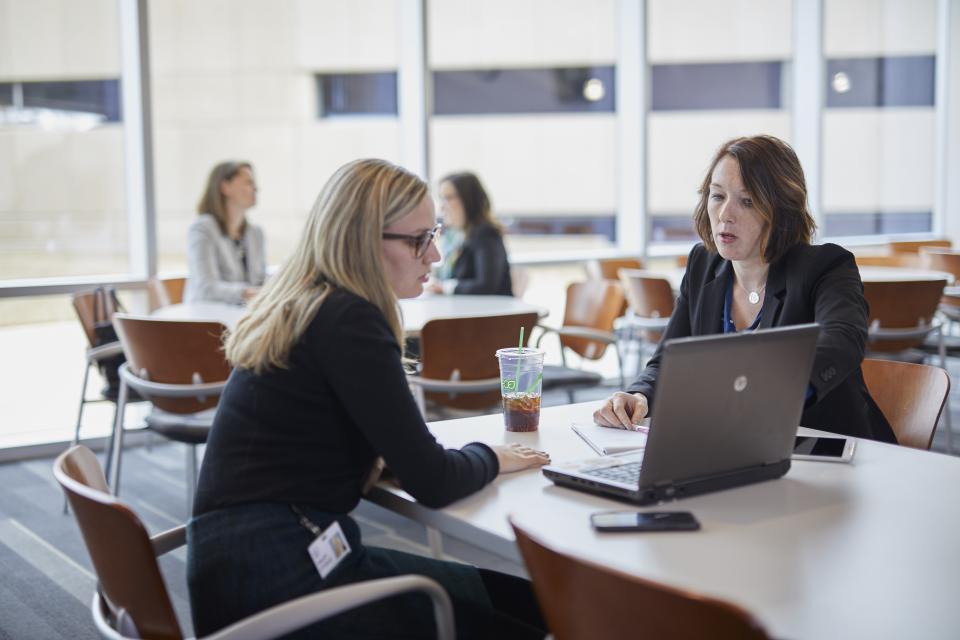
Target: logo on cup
[
  {"x": 740, "y": 383},
  {"x": 509, "y": 385}
]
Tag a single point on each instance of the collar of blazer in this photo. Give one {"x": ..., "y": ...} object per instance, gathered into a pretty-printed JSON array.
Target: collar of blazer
[{"x": 714, "y": 291}]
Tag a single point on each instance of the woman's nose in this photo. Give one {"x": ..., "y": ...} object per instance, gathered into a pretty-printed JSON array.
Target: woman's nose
[{"x": 433, "y": 253}]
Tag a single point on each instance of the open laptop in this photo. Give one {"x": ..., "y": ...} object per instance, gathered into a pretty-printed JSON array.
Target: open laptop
[{"x": 726, "y": 411}]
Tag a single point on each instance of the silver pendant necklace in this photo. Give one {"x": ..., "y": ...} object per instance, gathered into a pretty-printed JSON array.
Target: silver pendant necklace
[{"x": 753, "y": 296}]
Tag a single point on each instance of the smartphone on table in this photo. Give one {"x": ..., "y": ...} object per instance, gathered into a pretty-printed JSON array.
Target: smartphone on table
[
  {"x": 824, "y": 448},
  {"x": 644, "y": 521}
]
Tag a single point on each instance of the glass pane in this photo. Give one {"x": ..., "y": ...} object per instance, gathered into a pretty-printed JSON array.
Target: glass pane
[
  {"x": 524, "y": 98},
  {"x": 879, "y": 122},
  {"x": 62, "y": 196},
  {"x": 255, "y": 81},
  {"x": 718, "y": 70}
]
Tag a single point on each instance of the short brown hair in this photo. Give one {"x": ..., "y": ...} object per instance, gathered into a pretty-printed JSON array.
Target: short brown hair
[{"x": 772, "y": 174}]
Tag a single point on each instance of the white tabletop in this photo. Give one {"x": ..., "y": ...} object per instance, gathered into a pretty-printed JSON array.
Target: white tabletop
[
  {"x": 869, "y": 549},
  {"x": 419, "y": 311},
  {"x": 416, "y": 311},
  {"x": 227, "y": 314},
  {"x": 899, "y": 274}
]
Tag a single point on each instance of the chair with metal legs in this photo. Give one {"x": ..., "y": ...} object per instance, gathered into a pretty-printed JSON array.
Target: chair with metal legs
[
  {"x": 131, "y": 599},
  {"x": 179, "y": 366}
]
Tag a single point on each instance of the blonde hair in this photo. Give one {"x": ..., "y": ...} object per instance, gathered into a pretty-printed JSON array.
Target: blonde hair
[
  {"x": 213, "y": 201},
  {"x": 340, "y": 248}
]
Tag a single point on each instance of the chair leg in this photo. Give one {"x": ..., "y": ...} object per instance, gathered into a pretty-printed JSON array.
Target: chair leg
[
  {"x": 191, "y": 476},
  {"x": 76, "y": 429},
  {"x": 117, "y": 440}
]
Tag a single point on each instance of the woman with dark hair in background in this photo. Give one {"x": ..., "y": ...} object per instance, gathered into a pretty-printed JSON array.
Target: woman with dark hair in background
[
  {"x": 225, "y": 253},
  {"x": 480, "y": 266},
  {"x": 756, "y": 269}
]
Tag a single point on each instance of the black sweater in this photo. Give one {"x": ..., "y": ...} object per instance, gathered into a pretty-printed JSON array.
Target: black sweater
[
  {"x": 309, "y": 434},
  {"x": 482, "y": 267}
]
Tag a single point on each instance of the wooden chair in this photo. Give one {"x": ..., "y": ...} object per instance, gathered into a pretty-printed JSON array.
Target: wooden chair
[
  {"x": 459, "y": 368},
  {"x": 903, "y": 314},
  {"x": 588, "y": 317},
  {"x": 609, "y": 269},
  {"x": 582, "y": 601},
  {"x": 162, "y": 292},
  {"x": 131, "y": 600},
  {"x": 899, "y": 260},
  {"x": 650, "y": 298},
  {"x": 938, "y": 259},
  {"x": 911, "y": 396},
  {"x": 84, "y": 304},
  {"x": 178, "y": 365}
]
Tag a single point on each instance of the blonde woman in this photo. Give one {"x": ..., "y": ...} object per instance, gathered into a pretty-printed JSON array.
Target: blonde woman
[
  {"x": 225, "y": 253},
  {"x": 317, "y": 394}
]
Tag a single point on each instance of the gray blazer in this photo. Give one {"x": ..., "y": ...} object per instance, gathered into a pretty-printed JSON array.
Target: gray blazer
[{"x": 216, "y": 270}]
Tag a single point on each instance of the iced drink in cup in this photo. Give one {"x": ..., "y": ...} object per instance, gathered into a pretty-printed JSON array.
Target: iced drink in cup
[{"x": 521, "y": 379}]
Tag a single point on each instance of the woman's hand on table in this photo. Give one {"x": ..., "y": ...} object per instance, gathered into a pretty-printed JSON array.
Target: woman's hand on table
[
  {"x": 516, "y": 457},
  {"x": 622, "y": 411}
]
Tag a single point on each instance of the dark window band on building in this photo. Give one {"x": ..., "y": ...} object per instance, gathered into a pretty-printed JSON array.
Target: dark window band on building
[
  {"x": 727, "y": 85},
  {"x": 600, "y": 224},
  {"x": 876, "y": 223},
  {"x": 100, "y": 97},
  {"x": 676, "y": 228},
  {"x": 342, "y": 94},
  {"x": 506, "y": 91},
  {"x": 903, "y": 81}
]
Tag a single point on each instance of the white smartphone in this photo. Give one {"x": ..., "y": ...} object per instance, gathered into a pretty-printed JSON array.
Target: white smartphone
[{"x": 823, "y": 448}]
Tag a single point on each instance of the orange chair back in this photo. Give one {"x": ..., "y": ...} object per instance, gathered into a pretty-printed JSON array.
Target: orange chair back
[
  {"x": 610, "y": 269},
  {"x": 649, "y": 295},
  {"x": 911, "y": 397},
  {"x": 174, "y": 352},
  {"x": 129, "y": 578},
  {"x": 901, "y": 304},
  {"x": 612, "y": 604},
  {"x": 594, "y": 304},
  {"x": 162, "y": 292},
  {"x": 84, "y": 303},
  {"x": 914, "y": 246},
  {"x": 468, "y": 346}
]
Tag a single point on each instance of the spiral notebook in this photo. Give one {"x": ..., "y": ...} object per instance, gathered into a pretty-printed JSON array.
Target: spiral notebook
[{"x": 607, "y": 440}]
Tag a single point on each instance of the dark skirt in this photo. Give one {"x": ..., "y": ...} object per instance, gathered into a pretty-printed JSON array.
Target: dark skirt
[{"x": 244, "y": 559}]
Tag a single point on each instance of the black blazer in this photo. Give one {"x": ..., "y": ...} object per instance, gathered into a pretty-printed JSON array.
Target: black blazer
[
  {"x": 482, "y": 267},
  {"x": 809, "y": 284}
]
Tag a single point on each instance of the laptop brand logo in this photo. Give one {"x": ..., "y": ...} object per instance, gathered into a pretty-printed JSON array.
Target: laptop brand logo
[{"x": 740, "y": 383}]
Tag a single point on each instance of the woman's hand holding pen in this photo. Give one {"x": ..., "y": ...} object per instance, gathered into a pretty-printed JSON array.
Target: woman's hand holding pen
[{"x": 622, "y": 411}]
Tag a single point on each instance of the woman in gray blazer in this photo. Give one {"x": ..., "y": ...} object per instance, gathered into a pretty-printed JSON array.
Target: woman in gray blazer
[{"x": 225, "y": 253}]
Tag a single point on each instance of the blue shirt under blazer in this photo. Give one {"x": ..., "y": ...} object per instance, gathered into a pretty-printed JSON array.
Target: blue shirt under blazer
[{"x": 810, "y": 283}]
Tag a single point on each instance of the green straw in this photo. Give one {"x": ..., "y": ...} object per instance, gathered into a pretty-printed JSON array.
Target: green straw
[
  {"x": 533, "y": 385},
  {"x": 516, "y": 378}
]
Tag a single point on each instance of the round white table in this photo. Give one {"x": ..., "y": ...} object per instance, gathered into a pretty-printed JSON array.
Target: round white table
[
  {"x": 419, "y": 311},
  {"x": 416, "y": 312},
  {"x": 227, "y": 314}
]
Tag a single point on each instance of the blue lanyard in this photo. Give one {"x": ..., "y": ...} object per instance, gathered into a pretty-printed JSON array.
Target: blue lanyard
[{"x": 728, "y": 326}]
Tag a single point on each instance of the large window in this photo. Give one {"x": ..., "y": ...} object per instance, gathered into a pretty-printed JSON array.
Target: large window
[
  {"x": 524, "y": 97},
  {"x": 295, "y": 88},
  {"x": 62, "y": 194},
  {"x": 879, "y": 122},
  {"x": 718, "y": 71}
]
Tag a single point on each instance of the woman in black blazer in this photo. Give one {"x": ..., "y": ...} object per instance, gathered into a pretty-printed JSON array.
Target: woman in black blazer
[
  {"x": 757, "y": 269},
  {"x": 480, "y": 265}
]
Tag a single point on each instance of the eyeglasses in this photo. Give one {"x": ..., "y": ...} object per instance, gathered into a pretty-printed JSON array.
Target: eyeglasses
[{"x": 420, "y": 243}]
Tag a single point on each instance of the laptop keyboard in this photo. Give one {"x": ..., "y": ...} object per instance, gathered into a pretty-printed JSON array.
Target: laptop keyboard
[{"x": 625, "y": 473}]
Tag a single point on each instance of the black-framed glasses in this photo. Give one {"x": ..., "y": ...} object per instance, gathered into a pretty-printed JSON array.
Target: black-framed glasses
[{"x": 420, "y": 243}]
